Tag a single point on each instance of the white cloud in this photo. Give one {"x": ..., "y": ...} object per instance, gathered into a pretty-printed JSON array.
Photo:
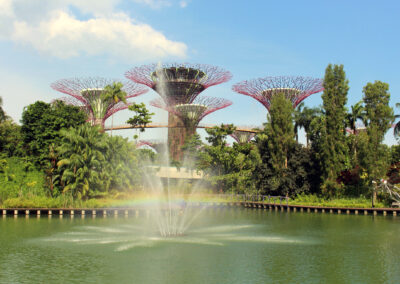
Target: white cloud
[
  {"x": 183, "y": 4},
  {"x": 58, "y": 32},
  {"x": 6, "y": 8},
  {"x": 155, "y": 4}
]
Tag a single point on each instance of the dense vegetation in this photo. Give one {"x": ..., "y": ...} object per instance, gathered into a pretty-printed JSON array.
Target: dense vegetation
[{"x": 54, "y": 158}]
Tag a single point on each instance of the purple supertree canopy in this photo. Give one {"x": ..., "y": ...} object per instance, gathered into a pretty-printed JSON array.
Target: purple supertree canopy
[
  {"x": 192, "y": 114},
  {"x": 296, "y": 89},
  {"x": 178, "y": 83},
  {"x": 242, "y": 136},
  {"x": 157, "y": 145},
  {"x": 87, "y": 94}
]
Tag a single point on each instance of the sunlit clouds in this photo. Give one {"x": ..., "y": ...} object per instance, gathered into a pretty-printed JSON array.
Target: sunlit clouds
[{"x": 60, "y": 33}]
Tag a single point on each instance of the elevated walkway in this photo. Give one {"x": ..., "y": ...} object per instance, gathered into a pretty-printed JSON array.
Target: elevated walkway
[{"x": 163, "y": 125}]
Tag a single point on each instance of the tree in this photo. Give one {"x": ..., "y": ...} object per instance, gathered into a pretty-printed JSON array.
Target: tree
[
  {"x": 91, "y": 162},
  {"x": 285, "y": 165},
  {"x": 333, "y": 148},
  {"x": 121, "y": 166},
  {"x": 3, "y": 115},
  {"x": 280, "y": 131},
  {"x": 41, "y": 125},
  {"x": 216, "y": 159},
  {"x": 191, "y": 150},
  {"x": 142, "y": 116},
  {"x": 357, "y": 112},
  {"x": 82, "y": 160},
  {"x": 380, "y": 117},
  {"x": 303, "y": 118},
  {"x": 397, "y": 125},
  {"x": 115, "y": 94},
  {"x": 10, "y": 139},
  {"x": 228, "y": 168},
  {"x": 395, "y": 156}
]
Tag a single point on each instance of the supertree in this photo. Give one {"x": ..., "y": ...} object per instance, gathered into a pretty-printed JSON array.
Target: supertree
[
  {"x": 295, "y": 88},
  {"x": 242, "y": 136},
  {"x": 178, "y": 84},
  {"x": 89, "y": 94},
  {"x": 157, "y": 145},
  {"x": 190, "y": 115}
]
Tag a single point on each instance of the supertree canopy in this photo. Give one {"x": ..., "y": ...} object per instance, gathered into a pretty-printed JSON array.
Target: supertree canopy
[
  {"x": 295, "y": 89},
  {"x": 178, "y": 83},
  {"x": 242, "y": 136},
  {"x": 188, "y": 117},
  {"x": 157, "y": 145},
  {"x": 89, "y": 94},
  {"x": 191, "y": 114}
]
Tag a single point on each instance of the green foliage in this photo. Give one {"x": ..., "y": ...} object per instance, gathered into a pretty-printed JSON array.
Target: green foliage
[
  {"x": 280, "y": 131},
  {"x": 397, "y": 125},
  {"x": 147, "y": 155},
  {"x": 217, "y": 134},
  {"x": 92, "y": 162},
  {"x": 300, "y": 176},
  {"x": 3, "y": 115},
  {"x": 113, "y": 93},
  {"x": 395, "y": 154},
  {"x": 81, "y": 160},
  {"x": 357, "y": 113},
  {"x": 333, "y": 151},
  {"x": 284, "y": 169},
  {"x": 41, "y": 125},
  {"x": 379, "y": 116},
  {"x": 142, "y": 116},
  {"x": 303, "y": 116},
  {"x": 18, "y": 180},
  {"x": 315, "y": 200},
  {"x": 121, "y": 164},
  {"x": 11, "y": 139},
  {"x": 228, "y": 168},
  {"x": 191, "y": 150}
]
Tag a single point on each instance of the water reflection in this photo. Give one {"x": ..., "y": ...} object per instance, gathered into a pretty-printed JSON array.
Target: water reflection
[{"x": 223, "y": 246}]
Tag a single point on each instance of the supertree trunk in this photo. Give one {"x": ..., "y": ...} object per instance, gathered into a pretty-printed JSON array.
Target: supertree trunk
[
  {"x": 176, "y": 137},
  {"x": 178, "y": 84},
  {"x": 186, "y": 118}
]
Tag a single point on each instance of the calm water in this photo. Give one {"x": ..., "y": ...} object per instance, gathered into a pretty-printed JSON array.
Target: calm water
[{"x": 223, "y": 246}]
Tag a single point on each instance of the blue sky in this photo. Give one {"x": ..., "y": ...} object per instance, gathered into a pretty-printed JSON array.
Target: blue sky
[{"x": 45, "y": 40}]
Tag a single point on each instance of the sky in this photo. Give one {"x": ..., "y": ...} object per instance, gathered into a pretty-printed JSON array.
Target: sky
[{"x": 43, "y": 41}]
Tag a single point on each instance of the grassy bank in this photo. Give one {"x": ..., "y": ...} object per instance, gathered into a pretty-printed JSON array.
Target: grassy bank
[
  {"x": 140, "y": 198},
  {"x": 313, "y": 200}
]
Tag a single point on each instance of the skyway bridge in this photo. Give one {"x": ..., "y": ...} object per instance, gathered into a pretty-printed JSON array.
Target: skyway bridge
[{"x": 250, "y": 129}]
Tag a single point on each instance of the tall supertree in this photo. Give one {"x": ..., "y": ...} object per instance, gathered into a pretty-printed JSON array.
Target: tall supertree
[
  {"x": 191, "y": 114},
  {"x": 295, "y": 88},
  {"x": 89, "y": 94},
  {"x": 178, "y": 84},
  {"x": 242, "y": 136}
]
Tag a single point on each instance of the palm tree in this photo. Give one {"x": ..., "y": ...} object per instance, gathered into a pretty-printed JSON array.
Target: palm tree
[
  {"x": 298, "y": 122},
  {"x": 114, "y": 93},
  {"x": 3, "y": 115},
  {"x": 303, "y": 118},
  {"x": 357, "y": 112},
  {"x": 82, "y": 159},
  {"x": 397, "y": 125}
]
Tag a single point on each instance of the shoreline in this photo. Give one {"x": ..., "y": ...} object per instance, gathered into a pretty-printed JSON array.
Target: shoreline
[{"x": 140, "y": 210}]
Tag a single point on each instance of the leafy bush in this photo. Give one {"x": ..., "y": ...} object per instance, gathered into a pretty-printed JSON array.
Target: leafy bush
[
  {"x": 314, "y": 200},
  {"x": 16, "y": 180}
]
